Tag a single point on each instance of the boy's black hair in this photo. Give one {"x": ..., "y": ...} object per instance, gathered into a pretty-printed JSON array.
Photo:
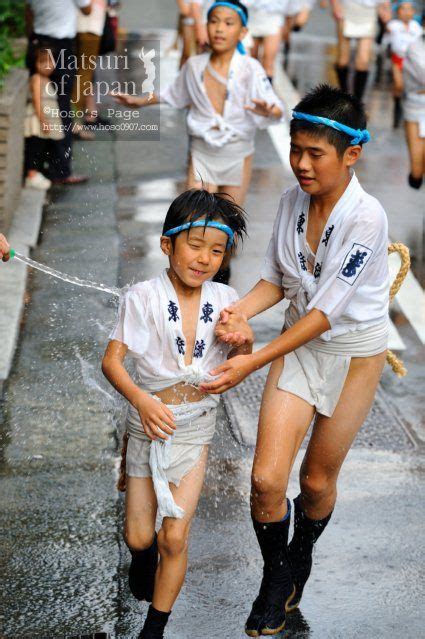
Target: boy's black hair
[
  {"x": 237, "y": 4},
  {"x": 193, "y": 204},
  {"x": 332, "y": 103}
]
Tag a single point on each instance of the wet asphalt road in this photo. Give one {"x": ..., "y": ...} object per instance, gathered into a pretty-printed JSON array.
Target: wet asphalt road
[{"x": 64, "y": 559}]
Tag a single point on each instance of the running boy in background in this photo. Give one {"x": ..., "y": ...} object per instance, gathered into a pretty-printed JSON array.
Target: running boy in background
[
  {"x": 402, "y": 32},
  {"x": 328, "y": 257},
  {"x": 167, "y": 326},
  {"x": 356, "y": 20},
  {"x": 229, "y": 97}
]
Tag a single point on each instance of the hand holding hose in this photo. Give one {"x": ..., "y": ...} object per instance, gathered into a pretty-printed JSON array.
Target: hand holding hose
[{"x": 4, "y": 248}]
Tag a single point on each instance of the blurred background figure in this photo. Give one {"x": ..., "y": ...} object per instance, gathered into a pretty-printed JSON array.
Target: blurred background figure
[
  {"x": 266, "y": 18},
  {"x": 402, "y": 32},
  {"x": 414, "y": 110},
  {"x": 53, "y": 24},
  {"x": 185, "y": 31},
  {"x": 90, "y": 29},
  {"x": 356, "y": 20},
  {"x": 43, "y": 125}
]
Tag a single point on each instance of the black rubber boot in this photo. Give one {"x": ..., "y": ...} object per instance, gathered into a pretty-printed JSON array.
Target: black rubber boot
[
  {"x": 154, "y": 625},
  {"x": 268, "y": 612},
  {"x": 342, "y": 75},
  {"x": 397, "y": 113},
  {"x": 306, "y": 533},
  {"x": 360, "y": 81},
  {"x": 415, "y": 183},
  {"x": 141, "y": 575}
]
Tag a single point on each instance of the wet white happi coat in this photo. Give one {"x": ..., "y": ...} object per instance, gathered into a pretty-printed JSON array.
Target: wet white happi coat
[
  {"x": 150, "y": 324},
  {"x": 350, "y": 278},
  {"x": 246, "y": 81}
]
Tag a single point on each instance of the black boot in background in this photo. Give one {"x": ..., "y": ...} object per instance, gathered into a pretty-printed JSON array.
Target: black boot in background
[
  {"x": 268, "y": 612},
  {"x": 342, "y": 75},
  {"x": 154, "y": 625},
  {"x": 141, "y": 575},
  {"x": 306, "y": 533},
  {"x": 360, "y": 81}
]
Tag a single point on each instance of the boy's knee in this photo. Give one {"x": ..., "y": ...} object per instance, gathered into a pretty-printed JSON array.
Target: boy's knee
[
  {"x": 138, "y": 539},
  {"x": 317, "y": 486},
  {"x": 266, "y": 488},
  {"x": 173, "y": 539}
]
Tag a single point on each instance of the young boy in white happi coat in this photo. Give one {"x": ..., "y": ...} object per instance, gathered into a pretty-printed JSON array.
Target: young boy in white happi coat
[
  {"x": 328, "y": 257},
  {"x": 228, "y": 97},
  {"x": 167, "y": 326}
]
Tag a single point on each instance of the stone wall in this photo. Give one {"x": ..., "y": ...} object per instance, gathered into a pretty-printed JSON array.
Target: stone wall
[{"x": 13, "y": 98}]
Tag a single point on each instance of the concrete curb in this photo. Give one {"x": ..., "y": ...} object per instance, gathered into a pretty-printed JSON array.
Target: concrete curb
[{"x": 23, "y": 236}]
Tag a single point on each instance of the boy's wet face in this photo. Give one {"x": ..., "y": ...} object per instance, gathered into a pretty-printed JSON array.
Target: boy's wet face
[
  {"x": 225, "y": 29},
  {"x": 316, "y": 163},
  {"x": 197, "y": 254}
]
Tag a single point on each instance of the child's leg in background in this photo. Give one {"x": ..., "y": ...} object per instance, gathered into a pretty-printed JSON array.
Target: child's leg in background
[
  {"x": 397, "y": 73},
  {"x": 271, "y": 46},
  {"x": 416, "y": 146},
  {"x": 35, "y": 155},
  {"x": 342, "y": 58},
  {"x": 192, "y": 182},
  {"x": 332, "y": 437},
  {"x": 173, "y": 538},
  {"x": 362, "y": 61},
  {"x": 238, "y": 193},
  {"x": 255, "y": 49}
]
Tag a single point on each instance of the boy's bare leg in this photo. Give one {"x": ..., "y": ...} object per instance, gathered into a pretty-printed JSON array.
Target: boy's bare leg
[
  {"x": 140, "y": 513},
  {"x": 397, "y": 81},
  {"x": 283, "y": 424},
  {"x": 193, "y": 182},
  {"x": 238, "y": 193},
  {"x": 332, "y": 437},
  {"x": 416, "y": 147},
  {"x": 343, "y": 50},
  {"x": 271, "y": 46},
  {"x": 363, "y": 54},
  {"x": 173, "y": 538},
  {"x": 256, "y": 42}
]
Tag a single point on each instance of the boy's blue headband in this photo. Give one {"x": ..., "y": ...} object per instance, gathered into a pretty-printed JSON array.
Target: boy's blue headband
[
  {"x": 240, "y": 13},
  {"x": 211, "y": 223},
  {"x": 359, "y": 136}
]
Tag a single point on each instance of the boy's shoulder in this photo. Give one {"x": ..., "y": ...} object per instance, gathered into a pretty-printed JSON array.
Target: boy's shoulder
[
  {"x": 289, "y": 198},
  {"x": 225, "y": 293},
  {"x": 139, "y": 291},
  {"x": 197, "y": 61}
]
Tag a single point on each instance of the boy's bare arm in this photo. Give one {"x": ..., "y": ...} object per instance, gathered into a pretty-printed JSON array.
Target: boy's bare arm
[
  {"x": 155, "y": 417},
  {"x": 135, "y": 101},
  {"x": 235, "y": 370},
  {"x": 262, "y": 296}
]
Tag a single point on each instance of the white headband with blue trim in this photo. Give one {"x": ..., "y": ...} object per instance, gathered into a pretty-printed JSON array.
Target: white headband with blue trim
[
  {"x": 240, "y": 13},
  {"x": 211, "y": 224},
  {"x": 359, "y": 136}
]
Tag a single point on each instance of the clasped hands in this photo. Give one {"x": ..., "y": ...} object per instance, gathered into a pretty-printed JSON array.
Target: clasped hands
[{"x": 232, "y": 328}]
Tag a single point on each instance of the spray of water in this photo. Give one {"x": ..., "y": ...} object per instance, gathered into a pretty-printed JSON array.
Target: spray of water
[{"x": 67, "y": 278}]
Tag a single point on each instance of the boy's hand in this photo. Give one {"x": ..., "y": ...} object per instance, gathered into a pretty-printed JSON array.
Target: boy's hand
[
  {"x": 4, "y": 248},
  {"x": 231, "y": 373},
  {"x": 132, "y": 101},
  {"x": 157, "y": 420},
  {"x": 263, "y": 108},
  {"x": 233, "y": 328}
]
